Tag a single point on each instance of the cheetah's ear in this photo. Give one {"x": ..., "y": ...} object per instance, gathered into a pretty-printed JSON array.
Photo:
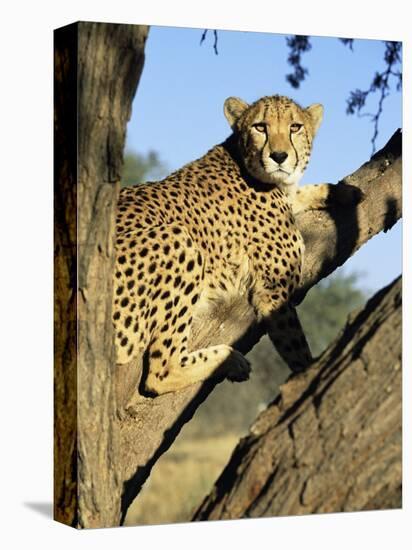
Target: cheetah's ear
[
  {"x": 316, "y": 114},
  {"x": 233, "y": 108}
]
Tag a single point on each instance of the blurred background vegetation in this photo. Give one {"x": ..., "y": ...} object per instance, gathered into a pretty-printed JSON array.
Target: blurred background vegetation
[
  {"x": 138, "y": 168},
  {"x": 186, "y": 473}
]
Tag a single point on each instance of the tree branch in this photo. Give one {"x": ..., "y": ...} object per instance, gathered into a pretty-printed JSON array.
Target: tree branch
[
  {"x": 149, "y": 426},
  {"x": 331, "y": 441},
  {"x": 380, "y": 83}
]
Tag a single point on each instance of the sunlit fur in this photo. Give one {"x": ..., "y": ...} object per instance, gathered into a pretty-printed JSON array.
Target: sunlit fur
[
  {"x": 206, "y": 238},
  {"x": 274, "y": 124}
]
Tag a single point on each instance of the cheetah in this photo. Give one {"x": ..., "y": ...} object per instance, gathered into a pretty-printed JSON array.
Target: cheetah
[{"x": 220, "y": 225}]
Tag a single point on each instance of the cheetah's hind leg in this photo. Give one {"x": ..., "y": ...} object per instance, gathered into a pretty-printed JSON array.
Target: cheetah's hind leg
[
  {"x": 173, "y": 258},
  {"x": 197, "y": 366},
  {"x": 168, "y": 285}
]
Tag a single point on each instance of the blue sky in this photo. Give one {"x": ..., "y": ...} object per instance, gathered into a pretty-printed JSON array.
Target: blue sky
[{"x": 178, "y": 109}]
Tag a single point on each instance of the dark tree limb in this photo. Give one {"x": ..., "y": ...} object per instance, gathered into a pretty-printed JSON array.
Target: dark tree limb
[
  {"x": 149, "y": 426},
  {"x": 332, "y": 440}
]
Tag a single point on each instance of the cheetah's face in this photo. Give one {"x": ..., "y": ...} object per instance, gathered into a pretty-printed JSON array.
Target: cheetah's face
[{"x": 274, "y": 137}]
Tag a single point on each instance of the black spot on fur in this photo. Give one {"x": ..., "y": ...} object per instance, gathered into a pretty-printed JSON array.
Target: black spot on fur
[
  {"x": 189, "y": 288},
  {"x": 182, "y": 311}
]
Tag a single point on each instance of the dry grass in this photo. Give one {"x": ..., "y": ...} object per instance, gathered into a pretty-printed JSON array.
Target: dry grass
[{"x": 180, "y": 480}]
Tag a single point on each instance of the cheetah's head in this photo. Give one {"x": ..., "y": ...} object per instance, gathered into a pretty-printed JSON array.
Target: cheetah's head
[{"x": 274, "y": 136}]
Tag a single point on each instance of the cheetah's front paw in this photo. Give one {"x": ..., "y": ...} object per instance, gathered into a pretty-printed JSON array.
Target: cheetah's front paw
[{"x": 239, "y": 367}]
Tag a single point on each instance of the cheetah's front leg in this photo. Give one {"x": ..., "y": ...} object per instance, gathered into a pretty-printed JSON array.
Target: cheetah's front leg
[
  {"x": 283, "y": 328},
  {"x": 286, "y": 333}
]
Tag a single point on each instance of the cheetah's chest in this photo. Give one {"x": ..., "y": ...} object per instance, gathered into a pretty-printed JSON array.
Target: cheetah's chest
[{"x": 264, "y": 254}]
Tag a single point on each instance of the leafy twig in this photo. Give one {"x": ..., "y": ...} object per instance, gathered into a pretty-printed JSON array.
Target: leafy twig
[
  {"x": 297, "y": 45},
  {"x": 356, "y": 102},
  {"x": 357, "y": 99}
]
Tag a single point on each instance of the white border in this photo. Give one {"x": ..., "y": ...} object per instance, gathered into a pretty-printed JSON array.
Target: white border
[{"x": 26, "y": 279}]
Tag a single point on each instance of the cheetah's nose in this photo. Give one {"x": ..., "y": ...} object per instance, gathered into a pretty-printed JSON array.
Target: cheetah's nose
[{"x": 279, "y": 156}]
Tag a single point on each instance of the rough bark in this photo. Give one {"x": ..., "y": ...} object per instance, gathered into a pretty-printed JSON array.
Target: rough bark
[
  {"x": 97, "y": 69},
  {"x": 65, "y": 311},
  {"x": 149, "y": 426},
  {"x": 331, "y": 441}
]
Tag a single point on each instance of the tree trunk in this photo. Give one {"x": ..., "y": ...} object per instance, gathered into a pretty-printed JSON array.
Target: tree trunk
[
  {"x": 97, "y": 69},
  {"x": 331, "y": 441},
  {"x": 149, "y": 426}
]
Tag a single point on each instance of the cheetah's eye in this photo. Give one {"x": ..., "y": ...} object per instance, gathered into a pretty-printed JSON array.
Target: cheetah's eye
[
  {"x": 260, "y": 127},
  {"x": 295, "y": 127}
]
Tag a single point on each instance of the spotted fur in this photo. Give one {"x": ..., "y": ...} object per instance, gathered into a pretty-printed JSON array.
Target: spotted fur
[{"x": 221, "y": 225}]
